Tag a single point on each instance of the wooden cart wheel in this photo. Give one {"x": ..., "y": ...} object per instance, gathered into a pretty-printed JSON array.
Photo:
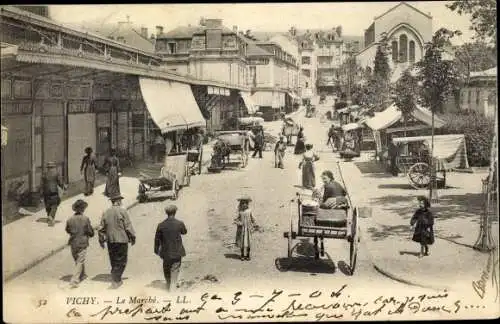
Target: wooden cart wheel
[
  {"x": 419, "y": 175},
  {"x": 354, "y": 242}
]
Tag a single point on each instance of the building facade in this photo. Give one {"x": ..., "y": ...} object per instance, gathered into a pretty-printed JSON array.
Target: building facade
[
  {"x": 64, "y": 89},
  {"x": 407, "y": 29},
  {"x": 480, "y": 94}
]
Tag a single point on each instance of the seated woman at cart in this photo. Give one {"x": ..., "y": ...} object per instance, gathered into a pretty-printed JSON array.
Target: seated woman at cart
[{"x": 334, "y": 195}]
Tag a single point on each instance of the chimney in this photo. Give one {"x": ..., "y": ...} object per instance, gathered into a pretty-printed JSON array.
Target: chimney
[
  {"x": 235, "y": 29},
  {"x": 159, "y": 31},
  {"x": 213, "y": 23},
  {"x": 144, "y": 32},
  {"x": 120, "y": 39}
]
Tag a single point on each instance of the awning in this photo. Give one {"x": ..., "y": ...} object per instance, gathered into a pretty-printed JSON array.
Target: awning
[
  {"x": 391, "y": 115},
  {"x": 7, "y": 50},
  {"x": 350, "y": 127},
  {"x": 171, "y": 104},
  {"x": 449, "y": 150},
  {"x": 249, "y": 103}
]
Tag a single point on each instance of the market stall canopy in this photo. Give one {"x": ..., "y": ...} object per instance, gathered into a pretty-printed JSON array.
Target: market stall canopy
[
  {"x": 251, "y": 120},
  {"x": 391, "y": 115},
  {"x": 449, "y": 150},
  {"x": 350, "y": 127},
  {"x": 249, "y": 103},
  {"x": 171, "y": 104}
]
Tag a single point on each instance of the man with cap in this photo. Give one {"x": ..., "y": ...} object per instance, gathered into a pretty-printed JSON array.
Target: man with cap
[
  {"x": 50, "y": 183},
  {"x": 117, "y": 231},
  {"x": 79, "y": 228},
  {"x": 168, "y": 245}
]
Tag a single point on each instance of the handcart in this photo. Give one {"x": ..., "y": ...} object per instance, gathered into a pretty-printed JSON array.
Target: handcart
[
  {"x": 157, "y": 179},
  {"x": 230, "y": 147},
  {"x": 320, "y": 224}
]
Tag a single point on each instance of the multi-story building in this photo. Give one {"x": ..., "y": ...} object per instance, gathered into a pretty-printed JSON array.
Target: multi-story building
[
  {"x": 273, "y": 65},
  {"x": 308, "y": 66},
  {"x": 209, "y": 51},
  {"x": 407, "y": 29}
]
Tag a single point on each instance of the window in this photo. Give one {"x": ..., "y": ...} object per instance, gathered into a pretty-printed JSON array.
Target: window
[
  {"x": 306, "y": 60},
  {"x": 469, "y": 93},
  {"x": 412, "y": 51},
  {"x": 403, "y": 48},
  {"x": 307, "y": 84},
  {"x": 172, "y": 48},
  {"x": 394, "y": 51},
  {"x": 478, "y": 97}
]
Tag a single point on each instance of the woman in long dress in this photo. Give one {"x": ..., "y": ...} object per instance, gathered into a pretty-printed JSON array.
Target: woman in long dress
[
  {"x": 88, "y": 169},
  {"x": 112, "y": 167},
  {"x": 245, "y": 224},
  {"x": 299, "y": 146},
  {"x": 308, "y": 169}
]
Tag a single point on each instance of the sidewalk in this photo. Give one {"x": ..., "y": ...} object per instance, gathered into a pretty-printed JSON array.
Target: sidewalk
[
  {"x": 28, "y": 241},
  {"x": 386, "y": 236},
  {"x": 21, "y": 254}
]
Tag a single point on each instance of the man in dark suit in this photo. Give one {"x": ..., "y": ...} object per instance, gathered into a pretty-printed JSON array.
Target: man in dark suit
[
  {"x": 168, "y": 245},
  {"x": 50, "y": 184}
]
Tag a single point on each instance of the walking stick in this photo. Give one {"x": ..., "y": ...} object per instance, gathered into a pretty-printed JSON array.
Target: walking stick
[{"x": 343, "y": 182}]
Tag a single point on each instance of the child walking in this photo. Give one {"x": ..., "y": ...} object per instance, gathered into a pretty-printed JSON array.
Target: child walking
[
  {"x": 423, "y": 221},
  {"x": 245, "y": 223}
]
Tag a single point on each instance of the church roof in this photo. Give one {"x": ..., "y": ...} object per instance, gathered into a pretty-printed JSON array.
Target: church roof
[{"x": 403, "y": 3}]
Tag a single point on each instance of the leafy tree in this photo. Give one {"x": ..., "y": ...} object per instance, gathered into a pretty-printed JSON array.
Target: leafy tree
[
  {"x": 477, "y": 56},
  {"x": 406, "y": 96},
  {"x": 483, "y": 17},
  {"x": 379, "y": 83},
  {"x": 438, "y": 78}
]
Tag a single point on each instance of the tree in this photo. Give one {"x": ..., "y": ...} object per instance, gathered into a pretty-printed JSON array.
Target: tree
[
  {"x": 483, "y": 17},
  {"x": 439, "y": 79},
  {"x": 477, "y": 56},
  {"x": 406, "y": 96},
  {"x": 381, "y": 75}
]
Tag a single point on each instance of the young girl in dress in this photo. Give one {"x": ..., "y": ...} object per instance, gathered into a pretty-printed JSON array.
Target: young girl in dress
[
  {"x": 245, "y": 224},
  {"x": 423, "y": 221}
]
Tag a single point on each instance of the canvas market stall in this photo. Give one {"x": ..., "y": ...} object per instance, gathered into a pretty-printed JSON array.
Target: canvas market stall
[
  {"x": 450, "y": 153},
  {"x": 390, "y": 123}
]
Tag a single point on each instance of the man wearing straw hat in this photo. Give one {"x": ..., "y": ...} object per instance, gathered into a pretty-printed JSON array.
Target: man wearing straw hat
[
  {"x": 50, "y": 185},
  {"x": 116, "y": 230},
  {"x": 79, "y": 228},
  {"x": 168, "y": 245}
]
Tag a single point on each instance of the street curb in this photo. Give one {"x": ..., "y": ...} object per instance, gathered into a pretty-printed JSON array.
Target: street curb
[
  {"x": 389, "y": 274},
  {"x": 39, "y": 260},
  {"x": 392, "y": 276}
]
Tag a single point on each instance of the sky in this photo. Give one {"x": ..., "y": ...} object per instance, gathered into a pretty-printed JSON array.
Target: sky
[{"x": 354, "y": 17}]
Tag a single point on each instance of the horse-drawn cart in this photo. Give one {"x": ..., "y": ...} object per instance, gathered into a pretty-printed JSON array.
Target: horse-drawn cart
[
  {"x": 230, "y": 147},
  {"x": 168, "y": 178}
]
